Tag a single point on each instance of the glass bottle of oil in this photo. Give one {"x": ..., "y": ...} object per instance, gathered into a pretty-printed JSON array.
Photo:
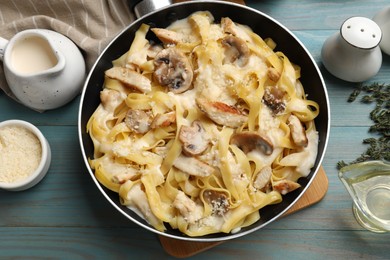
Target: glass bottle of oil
[{"x": 368, "y": 183}]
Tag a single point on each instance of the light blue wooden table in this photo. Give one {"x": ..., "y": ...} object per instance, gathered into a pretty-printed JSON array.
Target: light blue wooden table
[{"x": 65, "y": 215}]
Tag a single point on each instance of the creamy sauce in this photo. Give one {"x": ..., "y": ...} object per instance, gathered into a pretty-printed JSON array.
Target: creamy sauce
[{"x": 32, "y": 55}]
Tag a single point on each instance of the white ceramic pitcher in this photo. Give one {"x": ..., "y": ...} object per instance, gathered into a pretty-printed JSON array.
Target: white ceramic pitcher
[{"x": 44, "y": 69}]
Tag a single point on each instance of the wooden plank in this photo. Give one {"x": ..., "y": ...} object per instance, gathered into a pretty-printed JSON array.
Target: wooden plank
[
  {"x": 66, "y": 115},
  {"x": 316, "y": 15},
  {"x": 129, "y": 243}
]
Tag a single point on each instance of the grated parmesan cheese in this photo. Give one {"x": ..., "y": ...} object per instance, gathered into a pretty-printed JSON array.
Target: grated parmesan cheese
[{"x": 20, "y": 153}]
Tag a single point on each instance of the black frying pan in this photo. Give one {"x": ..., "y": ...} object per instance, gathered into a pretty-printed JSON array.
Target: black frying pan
[{"x": 261, "y": 24}]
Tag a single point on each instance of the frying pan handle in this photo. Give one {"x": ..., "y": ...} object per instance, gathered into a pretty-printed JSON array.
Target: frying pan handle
[{"x": 147, "y": 6}]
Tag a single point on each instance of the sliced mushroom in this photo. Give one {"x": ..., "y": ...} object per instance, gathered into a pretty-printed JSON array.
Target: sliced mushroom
[
  {"x": 248, "y": 141},
  {"x": 167, "y": 36},
  {"x": 274, "y": 99},
  {"x": 193, "y": 166},
  {"x": 194, "y": 138},
  {"x": 298, "y": 132},
  {"x": 163, "y": 120},
  {"x": 173, "y": 70},
  {"x": 138, "y": 121},
  {"x": 219, "y": 201},
  {"x": 222, "y": 113},
  {"x": 130, "y": 78},
  {"x": 236, "y": 50},
  {"x": 263, "y": 178},
  {"x": 285, "y": 186}
]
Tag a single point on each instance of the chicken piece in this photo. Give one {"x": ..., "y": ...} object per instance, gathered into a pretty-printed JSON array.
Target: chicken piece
[
  {"x": 163, "y": 120},
  {"x": 222, "y": 113},
  {"x": 110, "y": 99},
  {"x": 122, "y": 178},
  {"x": 229, "y": 27},
  {"x": 285, "y": 186},
  {"x": 298, "y": 132},
  {"x": 161, "y": 151},
  {"x": 248, "y": 141},
  {"x": 130, "y": 78},
  {"x": 194, "y": 138},
  {"x": 236, "y": 50},
  {"x": 173, "y": 70},
  {"x": 263, "y": 178},
  {"x": 190, "y": 211},
  {"x": 167, "y": 36},
  {"x": 273, "y": 74},
  {"x": 137, "y": 198},
  {"x": 193, "y": 166},
  {"x": 138, "y": 121}
]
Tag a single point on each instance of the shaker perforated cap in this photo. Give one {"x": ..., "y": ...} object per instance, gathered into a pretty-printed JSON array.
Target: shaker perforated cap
[{"x": 361, "y": 32}]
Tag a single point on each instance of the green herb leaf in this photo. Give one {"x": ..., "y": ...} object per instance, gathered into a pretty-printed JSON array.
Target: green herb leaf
[{"x": 379, "y": 148}]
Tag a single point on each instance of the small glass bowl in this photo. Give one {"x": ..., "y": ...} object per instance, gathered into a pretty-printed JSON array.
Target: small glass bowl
[
  {"x": 368, "y": 183},
  {"x": 37, "y": 175}
]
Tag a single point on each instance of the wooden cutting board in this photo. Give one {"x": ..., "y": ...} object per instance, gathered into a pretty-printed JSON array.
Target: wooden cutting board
[{"x": 314, "y": 194}]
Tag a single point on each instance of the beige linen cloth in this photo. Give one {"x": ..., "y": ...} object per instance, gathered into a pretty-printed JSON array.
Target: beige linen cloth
[{"x": 90, "y": 24}]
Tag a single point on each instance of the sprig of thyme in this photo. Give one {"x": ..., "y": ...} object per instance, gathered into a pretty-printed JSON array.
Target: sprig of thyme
[{"x": 379, "y": 148}]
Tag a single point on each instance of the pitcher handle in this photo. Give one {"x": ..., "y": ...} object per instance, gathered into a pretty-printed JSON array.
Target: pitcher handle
[{"x": 3, "y": 45}]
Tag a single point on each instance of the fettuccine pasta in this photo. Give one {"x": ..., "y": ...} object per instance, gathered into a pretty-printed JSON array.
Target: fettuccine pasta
[{"x": 203, "y": 129}]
